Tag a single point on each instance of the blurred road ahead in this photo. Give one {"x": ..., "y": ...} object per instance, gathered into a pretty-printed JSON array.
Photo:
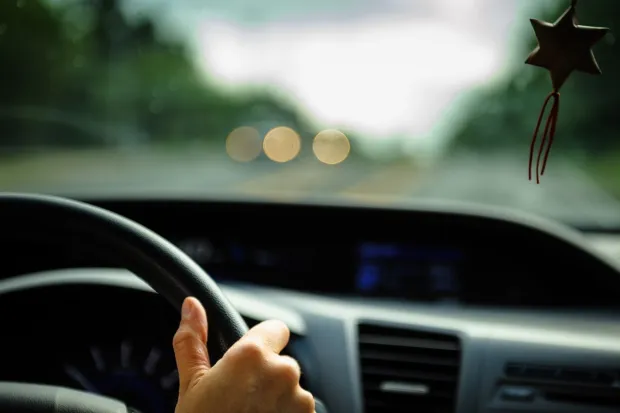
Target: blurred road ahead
[{"x": 565, "y": 192}]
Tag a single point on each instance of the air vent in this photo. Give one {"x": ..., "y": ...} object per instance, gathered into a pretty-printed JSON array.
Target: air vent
[
  {"x": 406, "y": 370},
  {"x": 564, "y": 384}
]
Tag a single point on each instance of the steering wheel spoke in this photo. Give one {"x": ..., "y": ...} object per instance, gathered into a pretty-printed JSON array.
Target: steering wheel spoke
[{"x": 38, "y": 398}]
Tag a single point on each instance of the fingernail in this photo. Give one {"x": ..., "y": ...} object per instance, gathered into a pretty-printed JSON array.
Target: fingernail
[{"x": 188, "y": 308}]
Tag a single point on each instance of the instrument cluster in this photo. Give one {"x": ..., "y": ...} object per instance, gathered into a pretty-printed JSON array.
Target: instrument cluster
[{"x": 104, "y": 340}]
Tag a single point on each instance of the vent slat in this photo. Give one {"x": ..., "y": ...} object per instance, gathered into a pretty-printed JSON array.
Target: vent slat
[
  {"x": 408, "y": 342},
  {"x": 408, "y": 374},
  {"x": 404, "y": 370},
  {"x": 441, "y": 396},
  {"x": 437, "y": 390},
  {"x": 407, "y": 406},
  {"x": 408, "y": 358}
]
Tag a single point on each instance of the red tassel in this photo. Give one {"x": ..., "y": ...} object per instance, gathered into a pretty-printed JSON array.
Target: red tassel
[{"x": 549, "y": 132}]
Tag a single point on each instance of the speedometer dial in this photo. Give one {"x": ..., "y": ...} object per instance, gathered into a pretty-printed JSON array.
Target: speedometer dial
[{"x": 140, "y": 374}]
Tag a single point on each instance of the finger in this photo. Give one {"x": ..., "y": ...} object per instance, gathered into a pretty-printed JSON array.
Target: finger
[
  {"x": 303, "y": 402},
  {"x": 190, "y": 344},
  {"x": 289, "y": 371},
  {"x": 273, "y": 334}
]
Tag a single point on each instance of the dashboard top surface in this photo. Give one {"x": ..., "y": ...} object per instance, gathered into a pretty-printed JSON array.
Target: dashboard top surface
[{"x": 452, "y": 255}]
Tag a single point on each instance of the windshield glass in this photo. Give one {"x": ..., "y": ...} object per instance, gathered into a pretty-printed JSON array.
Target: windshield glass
[{"x": 386, "y": 101}]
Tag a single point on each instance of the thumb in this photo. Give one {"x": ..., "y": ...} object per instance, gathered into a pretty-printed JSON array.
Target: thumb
[{"x": 190, "y": 344}]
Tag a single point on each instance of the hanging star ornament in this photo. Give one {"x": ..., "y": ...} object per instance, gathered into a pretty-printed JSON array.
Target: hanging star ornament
[{"x": 563, "y": 47}]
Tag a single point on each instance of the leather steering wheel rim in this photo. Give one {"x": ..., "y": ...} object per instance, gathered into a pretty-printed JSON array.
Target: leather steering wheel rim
[{"x": 162, "y": 265}]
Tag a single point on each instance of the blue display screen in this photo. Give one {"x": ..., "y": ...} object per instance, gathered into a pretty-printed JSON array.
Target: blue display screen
[{"x": 408, "y": 271}]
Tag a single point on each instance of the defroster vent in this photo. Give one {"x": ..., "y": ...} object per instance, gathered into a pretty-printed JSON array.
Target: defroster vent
[{"x": 405, "y": 370}]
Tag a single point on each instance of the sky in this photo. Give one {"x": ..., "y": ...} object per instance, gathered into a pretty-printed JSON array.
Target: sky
[{"x": 387, "y": 69}]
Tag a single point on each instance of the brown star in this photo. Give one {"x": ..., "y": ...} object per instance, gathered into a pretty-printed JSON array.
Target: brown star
[{"x": 564, "y": 47}]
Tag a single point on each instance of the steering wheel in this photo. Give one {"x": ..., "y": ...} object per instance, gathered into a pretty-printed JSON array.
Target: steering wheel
[{"x": 159, "y": 263}]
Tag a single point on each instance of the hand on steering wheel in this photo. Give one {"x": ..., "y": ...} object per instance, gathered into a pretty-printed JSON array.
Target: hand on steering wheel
[{"x": 251, "y": 377}]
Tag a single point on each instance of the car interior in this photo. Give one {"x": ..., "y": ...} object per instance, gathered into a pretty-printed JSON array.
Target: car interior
[
  {"x": 439, "y": 308},
  {"x": 353, "y": 168}
]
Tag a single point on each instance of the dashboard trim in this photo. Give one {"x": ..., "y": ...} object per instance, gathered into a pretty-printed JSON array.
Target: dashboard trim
[
  {"x": 521, "y": 327},
  {"x": 489, "y": 336}
]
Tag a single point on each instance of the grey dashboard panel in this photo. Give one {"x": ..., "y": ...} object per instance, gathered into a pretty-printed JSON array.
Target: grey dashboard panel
[
  {"x": 528, "y": 397},
  {"x": 490, "y": 337},
  {"x": 333, "y": 339}
]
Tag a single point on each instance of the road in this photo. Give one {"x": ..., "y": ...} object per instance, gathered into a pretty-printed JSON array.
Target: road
[{"x": 565, "y": 192}]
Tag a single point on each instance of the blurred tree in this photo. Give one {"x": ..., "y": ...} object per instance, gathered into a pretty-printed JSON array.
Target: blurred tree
[
  {"x": 503, "y": 116},
  {"x": 81, "y": 73},
  {"x": 33, "y": 52}
]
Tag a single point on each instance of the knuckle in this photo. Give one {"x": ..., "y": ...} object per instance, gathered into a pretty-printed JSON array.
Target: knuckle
[
  {"x": 288, "y": 370},
  {"x": 182, "y": 338},
  {"x": 305, "y": 401},
  {"x": 250, "y": 350}
]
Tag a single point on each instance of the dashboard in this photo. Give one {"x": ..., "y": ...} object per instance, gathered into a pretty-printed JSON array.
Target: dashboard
[
  {"x": 445, "y": 308},
  {"x": 430, "y": 255}
]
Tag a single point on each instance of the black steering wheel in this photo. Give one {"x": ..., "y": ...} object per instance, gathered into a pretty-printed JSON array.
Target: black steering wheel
[{"x": 159, "y": 263}]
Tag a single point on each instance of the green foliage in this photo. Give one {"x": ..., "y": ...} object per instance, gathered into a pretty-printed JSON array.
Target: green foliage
[{"x": 83, "y": 75}]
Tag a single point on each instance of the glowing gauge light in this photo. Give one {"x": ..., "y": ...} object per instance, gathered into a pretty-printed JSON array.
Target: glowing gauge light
[{"x": 143, "y": 377}]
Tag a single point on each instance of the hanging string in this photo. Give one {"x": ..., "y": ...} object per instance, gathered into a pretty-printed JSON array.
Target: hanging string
[
  {"x": 548, "y": 134},
  {"x": 550, "y": 126},
  {"x": 573, "y": 9}
]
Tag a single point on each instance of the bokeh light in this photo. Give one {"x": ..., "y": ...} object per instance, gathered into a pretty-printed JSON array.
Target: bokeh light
[
  {"x": 282, "y": 144},
  {"x": 331, "y": 146},
  {"x": 243, "y": 144}
]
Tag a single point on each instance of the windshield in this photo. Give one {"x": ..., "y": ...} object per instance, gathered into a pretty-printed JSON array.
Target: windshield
[{"x": 386, "y": 101}]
